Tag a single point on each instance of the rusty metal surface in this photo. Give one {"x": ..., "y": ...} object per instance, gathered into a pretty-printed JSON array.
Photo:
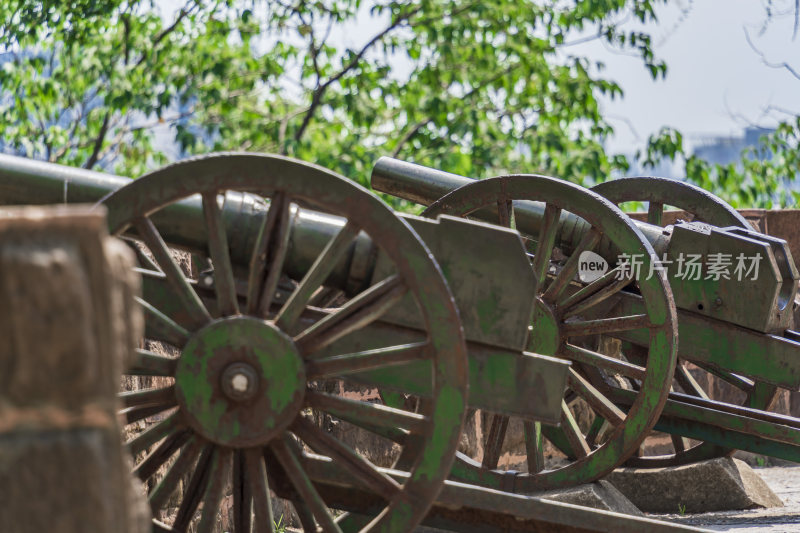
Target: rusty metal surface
[
  {"x": 468, "y": 508},
  {"x": 256, "y": 338},
  {"x": 558, "y": 328},
  {"x": 697, "y": 205},
  {"x": 421, "y": 184}
]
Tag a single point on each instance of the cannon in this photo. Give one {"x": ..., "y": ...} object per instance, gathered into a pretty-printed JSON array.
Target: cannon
[
  {"x": 740, "y": 331},
  {"x": 312, "y": 279}
]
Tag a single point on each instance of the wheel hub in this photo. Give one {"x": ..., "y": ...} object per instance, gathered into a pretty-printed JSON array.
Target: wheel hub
[
  {"x": 545, "y": 335},
  {"x": 240, "y": 381}
]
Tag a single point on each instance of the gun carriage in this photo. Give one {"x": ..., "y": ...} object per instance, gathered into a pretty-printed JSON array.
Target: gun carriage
[
  {"x": 312, "y": 280},
  {"x": 739, "y": 331}
]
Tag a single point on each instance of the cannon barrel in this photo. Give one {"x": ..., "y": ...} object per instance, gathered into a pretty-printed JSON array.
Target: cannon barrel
[
  {"x": 763, "y": 304},
  {"x": 425, "y": 185},
  {"x": 27, "y": 181}
]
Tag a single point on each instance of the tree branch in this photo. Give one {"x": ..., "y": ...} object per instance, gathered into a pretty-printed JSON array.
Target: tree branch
[
  {"x": 768, "y": 63},
  {"x": 98, "y": 142},
  {"x": 408, "y": 135},
  {"x": 184, "y": 12},
  {"x": 316, "y": 98}
]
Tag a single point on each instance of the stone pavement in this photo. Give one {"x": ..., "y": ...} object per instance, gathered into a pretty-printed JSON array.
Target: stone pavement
[{"x": 784, "y": 481}]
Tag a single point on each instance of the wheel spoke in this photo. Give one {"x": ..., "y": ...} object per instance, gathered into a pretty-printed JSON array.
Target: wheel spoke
[
  {"x": 224, "y": 281},
  {"x": 582, "y": 355},
  {"x": 494, "y": 442},
  {"x": 195, "y": 489},
  {"x": 573, "y": 433},
  {"x": 355, "y": 314},
  {"x": 557, "y": 287},
  {"x": 183, "y": 463},
  {"x": 161, "y": 454},
  {"x": 602, "y": 289},
  {"x": 242, "y": 494},
  {"x": 679, "y": 443},
  {"x": 161, "y": 396},
  {"x": 305, "y": 515},
  {"x": 256, "y": 476},
  {"x": 370, "y": 416},
  {"x": 604, "y": 325},
  {"x": 316, "y": 276},
  {"x": 544, "y": 246},
  {"x": 134, "y": 414},
  {"x": 505, "y": 213},
  {"x": 215, "y": 489},
  {"x": 655, "y": 212},
  {"x": 146, "y": 363},
  {"x": 190, "y": 301},
  {"x": 324, "y": 297},
  {"x": 688, "y": 383},
  {"x": 282, "y": 448},
  {"x": 153, "y": 434},
  {"x": 366, "y": 360},
  {"x": 164, "y": 327},
  {"x": 736, "y": 380},
  {"x": 267, "y": 261},
  {"x": 345, "y": 457},
  {"x": 534, "y": 446},
  {"x": 144, "y": 261},
  {"x": 595, "y": 399},
  {"x": 598, "y": 424}
]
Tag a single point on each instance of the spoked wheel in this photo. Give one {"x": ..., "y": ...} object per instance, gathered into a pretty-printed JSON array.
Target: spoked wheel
[
  {"x": 565, "y": 319},
  {"x": 237, "y": 413},
  {"x": 701, "y": 206}
]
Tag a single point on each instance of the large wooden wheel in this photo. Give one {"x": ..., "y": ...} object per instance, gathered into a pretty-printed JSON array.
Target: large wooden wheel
[
  {"x": 701, "y": 206},
  {"x": 237, "y": 411},
  {"x": 567, "y": 315}
]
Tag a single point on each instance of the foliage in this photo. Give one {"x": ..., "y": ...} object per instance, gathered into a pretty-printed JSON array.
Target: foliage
[
  {"x": 765, "y": 174},
  {"x": 763, "y": 177},
  {"x": 472, "y": 87}
]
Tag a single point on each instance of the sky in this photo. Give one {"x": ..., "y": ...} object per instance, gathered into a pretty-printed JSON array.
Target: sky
[{"x": 715, "y": 84}]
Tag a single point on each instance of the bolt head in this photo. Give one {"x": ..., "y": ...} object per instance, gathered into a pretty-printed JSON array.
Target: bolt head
[{"x": 239, "y": 381}]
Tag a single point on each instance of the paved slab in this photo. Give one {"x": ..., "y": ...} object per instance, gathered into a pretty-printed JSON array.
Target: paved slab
[
  {"x": 717, "y": 485},
  {"x": 784, "y": 482}
]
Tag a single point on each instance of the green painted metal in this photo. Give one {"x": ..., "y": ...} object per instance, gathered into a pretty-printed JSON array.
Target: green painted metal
[
  {"x": 469, "y": 508},
  {"x": 501, "y": 380},
  {"x": 551, "y": 321},
  {"x": 778, "y": 283},
  {"x": 697, "y": 205},
  {"x": 282, "y": 350},
  {"x": 660, "y": 192},
  {"x": 767, "y": 297},
  {"x": 741, "y": 428},
  {"x": 769, "y": 358},
  {"x": 495, "y": 309},
  {"x": 278, "y": 369},
  {"x": 488, "y": 271}
]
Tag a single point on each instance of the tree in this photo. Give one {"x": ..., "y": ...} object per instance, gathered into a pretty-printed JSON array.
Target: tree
[
  {"x": 473, "y": 87},
  {"x": 765, "y": 174}
]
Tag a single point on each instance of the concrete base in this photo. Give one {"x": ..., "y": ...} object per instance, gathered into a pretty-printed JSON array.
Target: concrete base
[
  {"x": 598, "y": 495},
  {"x": 723, "y": 484}
]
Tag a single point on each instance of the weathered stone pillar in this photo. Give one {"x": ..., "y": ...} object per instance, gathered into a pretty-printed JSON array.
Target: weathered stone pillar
[{"x": 67, "y": 323}]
